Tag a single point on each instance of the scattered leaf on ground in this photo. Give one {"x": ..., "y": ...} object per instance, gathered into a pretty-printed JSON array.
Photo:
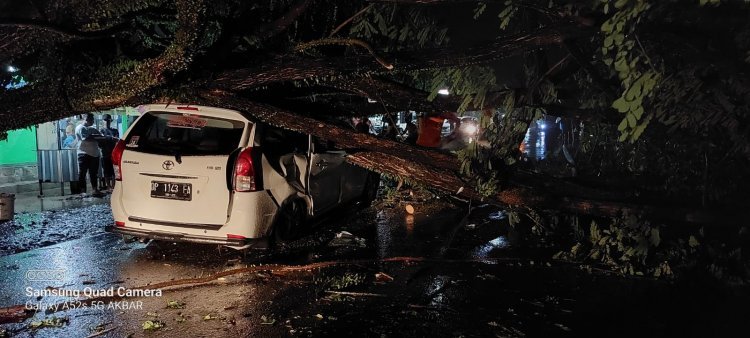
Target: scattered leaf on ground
[
  {"x": 49, "y": 322},
  {"x": 152, "y": 325},
  {"x": 266, "y": 320}
]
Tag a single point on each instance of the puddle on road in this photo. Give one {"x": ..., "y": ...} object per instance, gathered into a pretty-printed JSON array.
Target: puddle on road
[
  {"x": 497, "y": 215},
  {"x": 484, "y": 252}
]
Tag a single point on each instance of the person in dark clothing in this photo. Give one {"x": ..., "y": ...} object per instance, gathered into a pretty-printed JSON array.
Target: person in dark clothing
[
  {"x": 88, "y": 153},
  {"x": 363, "y": 126},
  {"x": 390, "y": 132},
  {"x": 412, "y": 132},
  {"x": 111, "y": 135}
]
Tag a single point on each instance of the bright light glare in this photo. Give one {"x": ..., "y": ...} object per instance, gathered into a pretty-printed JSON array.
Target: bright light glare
[
  {"x": 470, "y": 129},
  {"x": 12, "y": 69},
  {"x": 543, "y": 126},
  {"x": 443, "y": 91},
  {"x": 369, "y": 100}
]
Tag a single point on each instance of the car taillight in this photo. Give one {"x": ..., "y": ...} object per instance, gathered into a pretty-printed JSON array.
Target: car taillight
[
  {"x": 244, "y": 173},
  {"x": 119, "y": 224},
  {"x": 117, "y": 159}
]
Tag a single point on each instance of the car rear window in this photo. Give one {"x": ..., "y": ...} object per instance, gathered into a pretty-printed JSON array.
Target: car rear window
[{"x": 169, "y": 133}]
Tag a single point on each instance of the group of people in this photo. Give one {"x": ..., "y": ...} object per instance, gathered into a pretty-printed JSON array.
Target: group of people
[
  {"x": 427, "y": 134},
  {"x": 92, "y": 145}
]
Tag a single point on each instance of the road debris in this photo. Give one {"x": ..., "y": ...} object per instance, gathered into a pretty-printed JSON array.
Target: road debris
[
  {"x": 409, "y": 209},
  {"x": 153, "y": 325},
  {"x": 382, "y": 277},
  {"x": 362, "y": 294},
  {"x": 14, "y": 314},
  {"x": 345, "y": 238},
  {"x": 267, "y": 320},
  {"x": 50, "y": 322}
]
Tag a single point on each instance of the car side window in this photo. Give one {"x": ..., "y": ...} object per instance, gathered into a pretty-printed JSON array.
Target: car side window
[
  {"x": 282, "y": 141},
  {"x": 322, "y": 146}
]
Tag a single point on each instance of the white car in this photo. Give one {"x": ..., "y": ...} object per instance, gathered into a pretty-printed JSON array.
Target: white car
[{"x": 211, "y": 175}]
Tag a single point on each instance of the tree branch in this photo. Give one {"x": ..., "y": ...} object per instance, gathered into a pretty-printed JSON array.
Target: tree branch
[
  {"x": 31, "y": 24},
  {"x": 347, "y": 21},
  {"x": 279, "y": 25},
  {"x": 291, "y": 68},
  {"x": 346, "y": 42}
]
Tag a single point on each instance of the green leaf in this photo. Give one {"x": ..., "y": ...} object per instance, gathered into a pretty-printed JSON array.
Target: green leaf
[
  {"x": 638, "y": 112},
  {"x": 621, "y": 105},
  {"x": 631, "y": 120},
  {"x": 634, "y": 91},
  {"x": 623, "y": 124},
  {"x": 618, "y": 38},
  {"x": 693, "y": 242},
  {"x": 152, "y": 325},
  {"x": 655, "y": 238},
  {"x": 623, "y": 137}
]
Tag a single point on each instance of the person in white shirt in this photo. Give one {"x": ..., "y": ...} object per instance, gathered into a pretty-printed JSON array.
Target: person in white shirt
[{"x": 88, "y": 153}]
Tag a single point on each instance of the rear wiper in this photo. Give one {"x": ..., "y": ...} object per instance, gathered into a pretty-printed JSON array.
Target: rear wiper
[{"x": 177, "y": 156}]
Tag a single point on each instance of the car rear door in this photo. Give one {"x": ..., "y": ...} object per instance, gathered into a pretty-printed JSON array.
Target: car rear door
[{"x": 175, "y": 166}]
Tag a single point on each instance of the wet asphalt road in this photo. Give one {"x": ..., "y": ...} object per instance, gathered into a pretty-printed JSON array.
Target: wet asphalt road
[{"x": 425, "y": 275}]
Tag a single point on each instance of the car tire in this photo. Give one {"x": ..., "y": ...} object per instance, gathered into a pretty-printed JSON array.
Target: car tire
[
  {"x": 370, "y": 192},
  {"x": 288, "y": 222}
]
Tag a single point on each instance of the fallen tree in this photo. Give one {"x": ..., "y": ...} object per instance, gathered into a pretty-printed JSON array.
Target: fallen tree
[{"x": 438, "y": 170}]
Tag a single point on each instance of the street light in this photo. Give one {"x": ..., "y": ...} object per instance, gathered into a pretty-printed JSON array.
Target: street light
[
  {"x": 12, "y": 69},
  {"x": 443, "y": 91}
]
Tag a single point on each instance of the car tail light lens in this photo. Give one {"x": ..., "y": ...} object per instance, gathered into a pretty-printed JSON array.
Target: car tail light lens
[
  {"x": 117, "y": 159},
  {"x": 231, "y": 236},
  {"x": 244, "y": 173},
  {"x": 119, "y": 224}
]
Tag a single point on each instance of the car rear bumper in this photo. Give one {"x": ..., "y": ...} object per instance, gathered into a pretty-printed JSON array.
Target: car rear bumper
[{"x": 239, "y": 243}]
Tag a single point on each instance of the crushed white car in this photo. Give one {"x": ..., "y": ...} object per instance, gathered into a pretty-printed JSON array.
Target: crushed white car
[{"x": 212, "y": 175}]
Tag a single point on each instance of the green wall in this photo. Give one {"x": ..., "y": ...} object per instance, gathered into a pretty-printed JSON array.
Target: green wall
[{"x": 20, "y": 147}]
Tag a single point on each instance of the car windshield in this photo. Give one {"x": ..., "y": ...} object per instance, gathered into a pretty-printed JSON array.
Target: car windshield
[{"x": 178, "y": 134}]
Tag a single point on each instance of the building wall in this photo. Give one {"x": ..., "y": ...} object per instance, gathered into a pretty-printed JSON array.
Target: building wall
[
  {"x": 19, "y": 148},
  {"x": 18, "y": 156}
]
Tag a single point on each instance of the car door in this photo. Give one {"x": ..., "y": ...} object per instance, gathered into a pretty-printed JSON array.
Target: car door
[{"x": 326, "y": 169}]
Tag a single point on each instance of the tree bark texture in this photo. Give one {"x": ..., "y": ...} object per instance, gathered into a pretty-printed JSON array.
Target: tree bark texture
[{"x": 291, "y": 68}]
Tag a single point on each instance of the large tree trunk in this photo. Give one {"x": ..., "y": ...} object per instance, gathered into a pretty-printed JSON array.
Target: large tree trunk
[{"x": 438, "y": 170}]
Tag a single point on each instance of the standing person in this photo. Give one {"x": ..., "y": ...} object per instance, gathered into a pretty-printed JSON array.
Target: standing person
[
  {"x": 430, "y": 128},
  {"x": 70, "y": 141},
  {"x": 88, "y": 154},
  {"x": 411, "y": 130},
  {"x": 390, "y": 132},
  {"x": 363, "y": 125},
  {"x": 111, "y": 135}
]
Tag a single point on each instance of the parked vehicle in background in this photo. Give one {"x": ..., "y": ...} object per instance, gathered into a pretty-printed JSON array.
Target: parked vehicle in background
[
  {"x": 212, "y": 175},
  {"x": 469, "y": 128}
]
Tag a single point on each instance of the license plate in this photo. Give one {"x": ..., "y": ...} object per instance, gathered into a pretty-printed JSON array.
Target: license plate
[{"x": 171, "y": 190}]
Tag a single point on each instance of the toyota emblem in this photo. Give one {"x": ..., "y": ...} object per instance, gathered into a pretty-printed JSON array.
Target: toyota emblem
[{"x": 167, "y": 165}]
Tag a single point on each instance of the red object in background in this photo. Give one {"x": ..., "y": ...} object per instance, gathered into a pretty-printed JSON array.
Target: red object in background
[{"x": 429, "y": 131}]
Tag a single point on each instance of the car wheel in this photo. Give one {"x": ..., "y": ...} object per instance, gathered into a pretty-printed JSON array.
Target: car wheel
[
  {"x": 370, "y": 193},
  {"x": 289, "y": 222}
]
